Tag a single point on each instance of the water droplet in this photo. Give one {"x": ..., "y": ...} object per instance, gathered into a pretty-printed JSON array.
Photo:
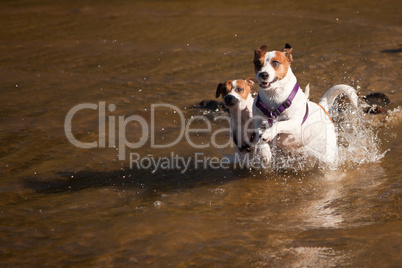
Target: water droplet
[{"x": 157, "y": 203}]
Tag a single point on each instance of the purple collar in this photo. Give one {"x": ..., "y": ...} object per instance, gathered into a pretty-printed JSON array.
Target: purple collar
[{"x": 272, "y": 115}]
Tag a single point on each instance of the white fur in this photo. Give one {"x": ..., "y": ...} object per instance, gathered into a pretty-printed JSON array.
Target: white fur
[
  {"x": 316, "y": 136},
  {"x": 241, "y": 121},
  {"x": 329, "y": 97}
]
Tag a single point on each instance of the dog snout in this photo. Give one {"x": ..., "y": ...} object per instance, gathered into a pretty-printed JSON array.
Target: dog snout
[
  {"x": 230, "y": 100},
  {"x": 264, "y": 75}
]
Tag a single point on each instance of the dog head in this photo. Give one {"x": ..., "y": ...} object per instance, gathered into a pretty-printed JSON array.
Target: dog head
[
  {"x": 272, "y": 66},
  {"x": 235, "y": 91}
]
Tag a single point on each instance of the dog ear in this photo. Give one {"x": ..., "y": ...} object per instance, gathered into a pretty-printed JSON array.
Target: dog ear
[
  {"x": 288, "y": 52},
  {"x": 257, "y": 57},
  {"x": 218, "y": 90},
  {"x": 260, "y": 50},
  {"x": 288, "y": 46},
  {"x": 263, "y": 48},
  {"x": 251, "y": 81}
]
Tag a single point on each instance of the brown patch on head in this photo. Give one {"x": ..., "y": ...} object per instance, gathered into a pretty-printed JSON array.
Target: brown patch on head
[
  {"x": 223, "y": 89},
  {"x": 280, "y": 63},
  {"x": 243, "y": 88},
  {"x": 259, "y": 57}
]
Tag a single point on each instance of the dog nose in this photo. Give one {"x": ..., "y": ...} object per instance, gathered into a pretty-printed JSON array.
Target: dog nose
[
  {"x": 264, "y": 75},
  {"x": 230, "y": 100}
]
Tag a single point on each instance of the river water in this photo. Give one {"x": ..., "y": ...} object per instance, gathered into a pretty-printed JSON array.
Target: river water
[{"x": 65, "y": 205}]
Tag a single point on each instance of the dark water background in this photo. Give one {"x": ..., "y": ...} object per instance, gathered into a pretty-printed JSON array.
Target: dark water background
[{"x": 62, "y": 205}]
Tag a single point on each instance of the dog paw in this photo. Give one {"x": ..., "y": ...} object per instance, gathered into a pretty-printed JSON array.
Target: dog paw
[
  {"x": 264, "y": 153},
  {"x": 268, "y": 135}
]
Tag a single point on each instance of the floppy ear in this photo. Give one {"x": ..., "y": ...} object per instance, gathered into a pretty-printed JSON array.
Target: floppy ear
[
  {"x": 251, "y": 81},
  {"x": 288, "y": 51},
  {"x": 257, "y": 56},
  {"x": 218, "y": 90},
  {"x": 262, "y": 48}
]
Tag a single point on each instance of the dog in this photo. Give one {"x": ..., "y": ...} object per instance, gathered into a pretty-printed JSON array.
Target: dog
[
  {"x": 283, "y": 114},
  {"x": 237, "y": 97}
]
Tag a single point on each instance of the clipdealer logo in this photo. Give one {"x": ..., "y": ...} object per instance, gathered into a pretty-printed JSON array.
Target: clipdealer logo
[
  {"x": 184, "y": 164},
  {"x": 108, "y": 138},
  {"x": 107, "y": 126}
]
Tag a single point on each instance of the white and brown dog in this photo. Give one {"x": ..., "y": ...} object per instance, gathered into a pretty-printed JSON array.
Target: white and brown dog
[
  {"x": 237, "y": 97},
  {"x": 284, "y": 115}
]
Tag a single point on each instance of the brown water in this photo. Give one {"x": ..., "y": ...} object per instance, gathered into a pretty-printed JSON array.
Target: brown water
[{"x": 63, "y": 205}]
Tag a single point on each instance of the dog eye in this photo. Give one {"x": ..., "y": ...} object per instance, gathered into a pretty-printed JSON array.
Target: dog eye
[
  {"x": 276, "y": 63},
  {"x": 239, "y": 89}
]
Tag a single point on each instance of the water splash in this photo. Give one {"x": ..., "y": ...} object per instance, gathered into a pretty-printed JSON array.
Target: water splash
[
  {"x": 358, "y": 144},
  {"x": 358, "y": 141}
]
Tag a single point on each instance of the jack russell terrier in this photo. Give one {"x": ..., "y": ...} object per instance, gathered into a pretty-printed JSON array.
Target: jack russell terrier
[
  {"x": 283, "y": 114},
  {"x": 237, "y": 97}
]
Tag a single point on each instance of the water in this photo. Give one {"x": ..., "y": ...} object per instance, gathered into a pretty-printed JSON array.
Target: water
[{"x": 63, "y": 205}]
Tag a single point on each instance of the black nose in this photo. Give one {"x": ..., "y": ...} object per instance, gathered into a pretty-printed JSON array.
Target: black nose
[
  {"x": 230, "y": 100},
  {"x": 264, "y": 75}
]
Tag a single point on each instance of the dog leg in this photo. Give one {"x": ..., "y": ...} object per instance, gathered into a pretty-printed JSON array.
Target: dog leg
[
  {"x": 264, "y": 153},
  {"x": 291, "y": 127}
]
